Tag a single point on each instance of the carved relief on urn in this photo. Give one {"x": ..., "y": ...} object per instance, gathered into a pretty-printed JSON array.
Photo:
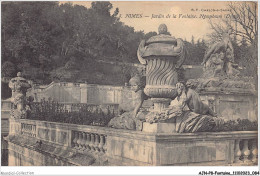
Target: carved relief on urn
[
  {"x": 163, "y": 55},
  {"x": 19, "y": 87}
]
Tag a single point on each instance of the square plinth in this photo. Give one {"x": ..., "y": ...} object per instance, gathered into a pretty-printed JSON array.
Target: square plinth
[{"x": 159, "y": 127}]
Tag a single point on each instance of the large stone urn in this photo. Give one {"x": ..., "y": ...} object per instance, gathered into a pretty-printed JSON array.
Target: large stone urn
[{"x": 163, "y": 55}]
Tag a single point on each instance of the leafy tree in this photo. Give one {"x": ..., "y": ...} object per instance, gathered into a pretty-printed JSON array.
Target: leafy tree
[
  {"x": 192, "y": 40},
  {"x": 8, "y": 69},
  {"x": 150, "y": 34}
]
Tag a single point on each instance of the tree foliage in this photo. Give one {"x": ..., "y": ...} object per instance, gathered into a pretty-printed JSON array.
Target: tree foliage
[
  {"x": 49, "y": 41},
  {"x": 196, "y": 51},
  {"x": 43, "y": 38},
  {"x": 243, "y": 24}
]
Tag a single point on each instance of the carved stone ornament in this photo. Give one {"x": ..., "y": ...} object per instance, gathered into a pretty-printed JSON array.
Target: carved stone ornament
[
  {"x": 19, "y": 87},
  {"x": 163, "y": 55},
  {"x": 219, "y": 59}
]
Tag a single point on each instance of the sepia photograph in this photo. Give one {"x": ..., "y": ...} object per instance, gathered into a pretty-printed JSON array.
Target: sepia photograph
[{"x": 129, "y": 83}]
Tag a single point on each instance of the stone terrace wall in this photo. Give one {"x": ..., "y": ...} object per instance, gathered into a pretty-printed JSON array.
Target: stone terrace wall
[{"x": 68, "y": 144}]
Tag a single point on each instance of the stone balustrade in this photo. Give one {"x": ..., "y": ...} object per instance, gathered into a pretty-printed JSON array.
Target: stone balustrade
[
  {"x": 93, "y": 142},
  {"x": 82, "y": 145},
  {"x": 246, "y": 151},
  {"x": 28, "y": 129}
]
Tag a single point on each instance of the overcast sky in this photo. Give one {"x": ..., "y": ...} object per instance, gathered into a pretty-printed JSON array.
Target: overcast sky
[{"x": 178, "y": 27}]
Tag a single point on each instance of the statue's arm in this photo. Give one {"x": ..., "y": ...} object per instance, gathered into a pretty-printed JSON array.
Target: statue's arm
[
  {"x": 140, "y": 102},
  {"x": 140, "y": 52},
  {"x": 196, "y": 102},
  {"x": 196, "y": 105},
  {"x": 137, "y": 108},
  {"x": 212, "y": 50},
  {"x": 188, "y": 99}
]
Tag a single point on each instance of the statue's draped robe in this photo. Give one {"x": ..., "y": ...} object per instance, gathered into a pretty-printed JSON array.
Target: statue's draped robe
[{"x": 188, "y": 121}]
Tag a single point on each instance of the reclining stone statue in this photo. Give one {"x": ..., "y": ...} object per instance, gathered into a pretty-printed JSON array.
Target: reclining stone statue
[
  {"x": 197, "y": 116},
  {"x": 188, "y": 112},
  {"x": 129, "y": 120},
  {"x": 194, "y": 102}
]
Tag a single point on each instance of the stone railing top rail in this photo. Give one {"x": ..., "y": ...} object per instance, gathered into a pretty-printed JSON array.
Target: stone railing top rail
[
  {"x": 89, "y": 104},
  {"x": 144, "y": 135},
  {"x": 70, "y": 84},
  {"x": 218, "y": 90}
]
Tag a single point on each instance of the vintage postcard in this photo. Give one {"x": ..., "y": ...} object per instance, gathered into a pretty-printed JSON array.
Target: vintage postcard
[{"x": 129, "y": 83}]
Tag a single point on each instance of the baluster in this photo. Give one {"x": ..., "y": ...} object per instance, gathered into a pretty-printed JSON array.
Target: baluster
[
  {"x": 87, "y": 142},
  {"x": 83, "y": 141},
  {"x": 22, "y": 126},
  {"x": 254, "y": 151},
  {"x": 75, "y": 140},
  {"x": 79, "y": 141},
  {"x": 237, "y": 151},
  {"x": 30, "y": 128},
  {"x": 97, "y": 140},
  {"x": 92, "y": 142},
  {"x": 245, "y": 151},
  {"x": 102, "y": 143},
  {"x": 25, "y": 129},
  {"x": 105, "y": 144},
  {"x": 35, "y": 131}
]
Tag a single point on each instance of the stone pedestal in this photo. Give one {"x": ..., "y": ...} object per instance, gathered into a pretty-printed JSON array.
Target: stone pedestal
[
  {"x": 160, "y": 104},
  {"x": 231, "y": 104},
  {"x": 83, "y": 93},
  {"x": 159, "y": 127}
]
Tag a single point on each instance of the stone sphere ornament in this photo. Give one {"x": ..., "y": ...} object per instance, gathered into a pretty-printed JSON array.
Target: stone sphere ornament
[{"x": 162, "y": 29}]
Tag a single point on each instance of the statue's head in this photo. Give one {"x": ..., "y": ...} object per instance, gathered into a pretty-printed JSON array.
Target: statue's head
[
  {"x": 162, "y": 29},
  {"x": 135, "y": 82},
  {"x": 180, "y": 87},
  {"x": 191, "y": 83}
]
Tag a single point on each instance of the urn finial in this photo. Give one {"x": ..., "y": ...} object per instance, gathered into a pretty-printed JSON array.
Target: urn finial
[
  {"x": 19, "y": 74},
  {"x": 162, "y": 29}
]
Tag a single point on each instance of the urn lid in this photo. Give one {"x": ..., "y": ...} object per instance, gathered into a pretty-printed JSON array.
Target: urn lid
[
  {"x": 18, "y": 78},
  {"x": 162, "y": 44},
  {"x": 163, "y": 37}
]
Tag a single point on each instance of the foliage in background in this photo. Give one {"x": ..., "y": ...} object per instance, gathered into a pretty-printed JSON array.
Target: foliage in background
[
  {"x": 49, "y": 41},
  {"x": 196, "y": 51},
  {"x": 238, "y": 125}
]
